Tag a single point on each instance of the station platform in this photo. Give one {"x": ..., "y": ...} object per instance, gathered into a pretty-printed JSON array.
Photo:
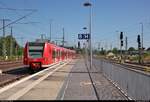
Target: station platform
[
  {"x": 78, "y": 86},
  {"x": 69, "y": 82}
]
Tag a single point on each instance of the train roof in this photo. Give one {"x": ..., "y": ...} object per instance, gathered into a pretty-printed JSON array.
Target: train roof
[{"x": 42, "y": 43}]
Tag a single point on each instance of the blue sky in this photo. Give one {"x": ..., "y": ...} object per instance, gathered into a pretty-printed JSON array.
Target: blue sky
[{"x": 109, "y": 16}]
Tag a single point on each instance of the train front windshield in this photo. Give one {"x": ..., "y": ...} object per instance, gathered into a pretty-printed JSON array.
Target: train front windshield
[{"x": 36, "y": 50}]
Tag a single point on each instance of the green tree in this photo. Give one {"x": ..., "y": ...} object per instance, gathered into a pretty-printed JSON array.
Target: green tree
[
  {"x": 148, "y": 49},
  {"x": 102, "y": 52},
  {"x": 115, "y": 50},
  {"x": 131, "y": 49},
  {"x": 15, "y": 46}
]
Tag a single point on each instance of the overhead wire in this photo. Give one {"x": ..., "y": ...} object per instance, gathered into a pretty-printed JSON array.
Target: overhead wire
[
  {"x": 15, "y": 11},
  {"x": 32, "y": 11}
]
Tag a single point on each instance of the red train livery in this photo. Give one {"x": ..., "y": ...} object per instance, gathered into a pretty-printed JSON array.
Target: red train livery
[{"x": 39, "y": 55}]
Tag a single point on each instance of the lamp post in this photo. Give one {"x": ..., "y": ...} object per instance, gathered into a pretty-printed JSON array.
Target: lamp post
[
  {"x": 86, "y": 45},
  {"x": 142, "y": 34},
  {"x": 50, "y": 28},
  {"x": 88, "y": 4}
]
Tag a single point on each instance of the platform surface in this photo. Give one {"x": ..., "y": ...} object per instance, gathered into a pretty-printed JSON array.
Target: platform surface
[{"x": 78, "y": 85}]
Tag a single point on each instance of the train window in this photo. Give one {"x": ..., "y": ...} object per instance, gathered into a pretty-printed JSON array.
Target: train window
[
  {"x": 54, "y": 55},
  {"x": 35, "y": 54},
  {"x": 62, "y": 53},
  {"x": 36, "y": 50},
  {"x": 58, "y": 54}
]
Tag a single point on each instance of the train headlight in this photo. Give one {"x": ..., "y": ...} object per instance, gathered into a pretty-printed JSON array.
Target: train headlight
[
  {"x": 25, "y": 59},
  {"x": 45, "y": 59}
]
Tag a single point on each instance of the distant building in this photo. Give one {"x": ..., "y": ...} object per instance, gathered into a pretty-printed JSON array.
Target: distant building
[
  {"x": 148, "y": 49},
  {"x": 42, "y": 40}
]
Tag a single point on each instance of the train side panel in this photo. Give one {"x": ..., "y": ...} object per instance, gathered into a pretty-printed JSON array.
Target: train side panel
[{"x": 47, "y": 55}]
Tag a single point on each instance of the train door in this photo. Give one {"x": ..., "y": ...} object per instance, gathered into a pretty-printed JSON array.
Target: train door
[
  {"x": 50, "y": 54},
  {"x": 57, "y": 54},
  {"x": 63, "y": 54},
  {"x": 67, "y": 54},
  {"x": 54, "y": 52}
]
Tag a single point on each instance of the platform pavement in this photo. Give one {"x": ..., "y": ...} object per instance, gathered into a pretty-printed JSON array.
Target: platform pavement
[{"x": 79, "y": 87}]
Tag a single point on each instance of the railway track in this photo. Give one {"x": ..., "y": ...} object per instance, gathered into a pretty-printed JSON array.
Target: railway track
[
  {"x": 145, "y": 67},
  {"x": 9, "y": 62},
  {"x": 8, "y": 79},
  {"x": 10, "y": 65},
  {"x": 12, "y": 74},
  {"x": 11, "y": 71},
  {"x": 145, "y": 64}
]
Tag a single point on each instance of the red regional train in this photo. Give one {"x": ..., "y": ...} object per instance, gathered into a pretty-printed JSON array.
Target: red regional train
[{"x": 38, "y": 55}]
